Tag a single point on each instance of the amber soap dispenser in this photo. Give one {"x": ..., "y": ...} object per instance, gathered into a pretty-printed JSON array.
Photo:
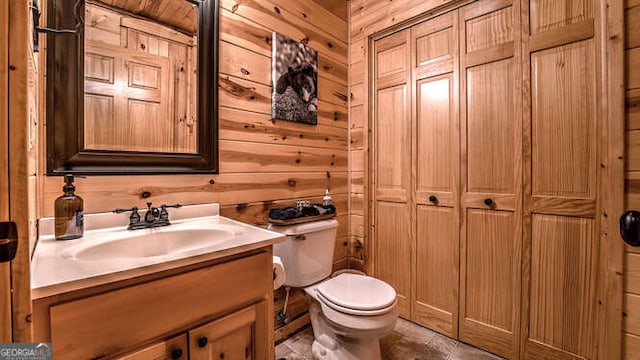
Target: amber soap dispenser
[{"x": 69, "y": 215}]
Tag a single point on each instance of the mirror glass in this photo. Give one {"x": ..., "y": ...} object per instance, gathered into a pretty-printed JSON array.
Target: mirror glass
[
  {"x": 135, "y": 89},
  {"x": 140, "y": 76}
]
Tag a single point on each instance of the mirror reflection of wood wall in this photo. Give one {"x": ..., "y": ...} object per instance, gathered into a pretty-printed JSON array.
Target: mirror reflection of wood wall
[{"x": 141, "y": 76}]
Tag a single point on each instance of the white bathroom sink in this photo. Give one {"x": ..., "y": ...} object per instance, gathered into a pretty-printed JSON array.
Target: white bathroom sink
[
  {"x": 107, "y": 247},
  {"x": 149, "y": 244},
  {"x": 183, "y": 237}
]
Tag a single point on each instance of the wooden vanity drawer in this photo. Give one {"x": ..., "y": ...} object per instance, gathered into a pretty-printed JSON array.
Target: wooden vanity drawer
[{"x": 111, "y": 322}]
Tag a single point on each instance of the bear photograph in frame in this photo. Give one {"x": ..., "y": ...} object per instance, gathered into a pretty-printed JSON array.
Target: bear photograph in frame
[{"x": 295, "y": 81}]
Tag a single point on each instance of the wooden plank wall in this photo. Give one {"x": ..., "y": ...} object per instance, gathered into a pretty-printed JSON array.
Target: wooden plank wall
[
  {"x": 631, "y": 319},
  {"x": 264, "y": 163}
]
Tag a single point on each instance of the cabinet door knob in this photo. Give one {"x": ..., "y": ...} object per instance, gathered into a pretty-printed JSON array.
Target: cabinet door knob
[
  {"x": 488, "y": 202},
  {"x": 176, "y": 354},
  {"x": 203, "y": 341},
  {"x": 433, "y": 198}
]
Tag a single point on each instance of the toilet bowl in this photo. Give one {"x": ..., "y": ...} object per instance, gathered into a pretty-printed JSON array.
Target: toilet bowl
[{"x": 349, "y": 312}]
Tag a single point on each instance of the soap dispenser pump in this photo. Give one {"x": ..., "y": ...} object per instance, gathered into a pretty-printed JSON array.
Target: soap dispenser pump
[
  {"x": 326, "y": 200},
  {"x": 69, "y": 215}
]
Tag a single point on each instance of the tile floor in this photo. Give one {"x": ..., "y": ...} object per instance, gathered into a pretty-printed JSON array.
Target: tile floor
[{"x": 408, "y": 341}]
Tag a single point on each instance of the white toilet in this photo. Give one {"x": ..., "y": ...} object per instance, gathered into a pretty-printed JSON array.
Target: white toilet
[{"x": 349, "y": 312}]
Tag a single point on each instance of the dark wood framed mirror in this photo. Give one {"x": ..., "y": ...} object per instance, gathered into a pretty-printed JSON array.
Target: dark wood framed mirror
[{"x": 108, "y": 85}]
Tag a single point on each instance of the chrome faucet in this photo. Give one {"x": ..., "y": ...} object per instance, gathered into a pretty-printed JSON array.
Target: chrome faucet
[{"x": 154, "y": 217}]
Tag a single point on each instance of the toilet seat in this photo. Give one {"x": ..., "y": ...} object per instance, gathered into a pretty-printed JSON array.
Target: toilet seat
[
  {"x": 359, "y": 326},
  {"x": 349, "y": 311},
  {"x": 356, "y": 295}
]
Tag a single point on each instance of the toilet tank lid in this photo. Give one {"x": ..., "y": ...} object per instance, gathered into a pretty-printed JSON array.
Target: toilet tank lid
[{"x": 305, "y": 228}]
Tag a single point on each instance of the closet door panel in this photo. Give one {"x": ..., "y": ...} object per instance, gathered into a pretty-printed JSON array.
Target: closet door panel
[
  {"x": 490, "y": 128},
  {"x": 491, "y": 280},
  {"x": 555, "y": 14},
  {"x": 563, "y": 121},
  {"x": 436, "y": 129},
  {"x": 393, "y": 140},
  {"x": 392, "y": 61},
  {"x": 487, "y": 30},
  {"x": 435, "y": 46},
  {"x": 392, "y": 119},
  {"x": 563, "y": 282},
  {"x": 436, "y": 290},
  {"x": 393, "y": 250},
  {"x": 490, "y": 273},
  {"x": 491, "y": 158}
]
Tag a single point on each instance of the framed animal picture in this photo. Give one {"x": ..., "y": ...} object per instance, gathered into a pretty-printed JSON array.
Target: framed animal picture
[{"x": 295, "y": 81}]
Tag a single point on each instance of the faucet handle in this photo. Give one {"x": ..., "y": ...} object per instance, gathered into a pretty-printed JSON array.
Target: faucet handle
[
  {"x": 163, "y": 210},
  {"x": 119, "y": 211},
  {"x": 134, "y": 218},
  {"x": 171, "y": 206}
]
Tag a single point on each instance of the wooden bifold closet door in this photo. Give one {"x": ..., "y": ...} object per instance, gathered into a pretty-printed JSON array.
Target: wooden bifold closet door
[
  {"x": 434, "y": 63},
  {"x": 416, "y": 82},
  {"x": 565, "y": 126},
  {"x": 491, "y": 164},
  {"x": 489, "y": 150},
  {"x": 392, "y": 164}
]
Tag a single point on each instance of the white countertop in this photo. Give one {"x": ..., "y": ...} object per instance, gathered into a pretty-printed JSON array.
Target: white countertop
[{"x": 56, "y": 262}]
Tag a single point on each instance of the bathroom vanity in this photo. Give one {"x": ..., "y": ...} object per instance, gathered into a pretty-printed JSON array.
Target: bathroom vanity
[{"x": 212, "y": 302}]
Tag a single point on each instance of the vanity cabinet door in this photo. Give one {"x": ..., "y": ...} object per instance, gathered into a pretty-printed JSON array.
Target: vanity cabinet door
[
  {"x": 89, "y": 327},
  {"x": 232, "y": 337},
  {"x": 174, "y": 349}
]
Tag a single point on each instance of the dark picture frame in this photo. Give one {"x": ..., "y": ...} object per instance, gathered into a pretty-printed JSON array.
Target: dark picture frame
[{"x": 295, "y": 81}]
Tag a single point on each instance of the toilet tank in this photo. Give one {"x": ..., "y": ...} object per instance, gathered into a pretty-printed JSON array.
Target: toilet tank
[{"x": 307, "y": 252}]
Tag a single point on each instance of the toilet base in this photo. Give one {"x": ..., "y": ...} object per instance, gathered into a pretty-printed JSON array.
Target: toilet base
[
  {"x": 329, "y": 345},
  {"x": 346, "y": 350}
]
